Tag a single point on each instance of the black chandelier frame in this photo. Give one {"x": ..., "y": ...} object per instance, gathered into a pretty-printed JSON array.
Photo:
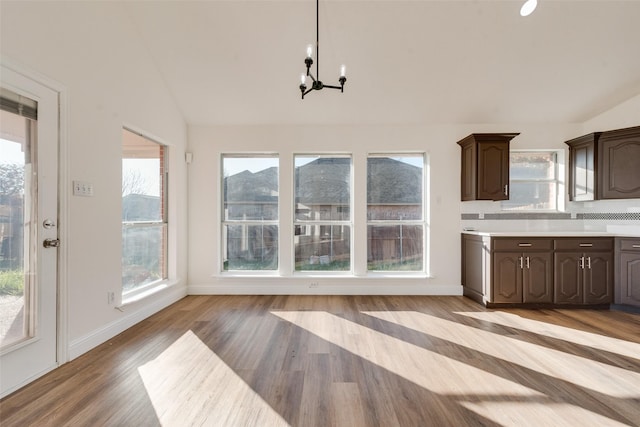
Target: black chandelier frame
[{"x": 308, "y": 61}]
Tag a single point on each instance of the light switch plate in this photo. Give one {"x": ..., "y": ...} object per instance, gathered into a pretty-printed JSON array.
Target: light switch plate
[{"x": 83, "y": 189}]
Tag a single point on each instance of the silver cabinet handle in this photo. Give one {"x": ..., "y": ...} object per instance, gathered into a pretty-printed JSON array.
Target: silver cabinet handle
[
  {"x": 520, "y": 259},
  {"x": 635, "y": 246},
  {"x": 589, "y": 263},
  {"x": 528, "y": 265},
  {"x": 524, "y": 245},
  {"x": 586, "y": 245},
  {"x": 506, "y": 190},
  {"x": 582, "y": 262}
]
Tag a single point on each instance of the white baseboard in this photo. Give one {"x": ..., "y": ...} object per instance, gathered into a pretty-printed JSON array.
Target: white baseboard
[
  {"x": 110, "y": 330},
  {"x": 374, "y": 287}
]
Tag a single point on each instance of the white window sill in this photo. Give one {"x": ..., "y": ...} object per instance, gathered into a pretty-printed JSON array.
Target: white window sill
[
  {"x": 329, "y": 275},
  {"x": 148, "y": 292}
]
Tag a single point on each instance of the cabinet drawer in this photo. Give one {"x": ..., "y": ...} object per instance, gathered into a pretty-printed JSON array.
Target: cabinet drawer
[
  {"x": 522, "y": 244},
  {"x": 584, "y": 244},
  {"x": 630, "y": 245}
]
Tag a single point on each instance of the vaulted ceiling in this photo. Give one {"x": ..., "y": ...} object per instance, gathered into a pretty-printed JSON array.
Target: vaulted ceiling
[{"x": 424, "y": 61}]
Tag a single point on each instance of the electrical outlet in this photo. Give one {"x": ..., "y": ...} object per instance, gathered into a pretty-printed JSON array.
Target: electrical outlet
[
  {"x": 314, "y": 285},
  {"x": 111, "y": 298}
]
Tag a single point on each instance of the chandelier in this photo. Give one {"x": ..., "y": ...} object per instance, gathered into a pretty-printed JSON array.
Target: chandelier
[{"x": 316, "y": 83}]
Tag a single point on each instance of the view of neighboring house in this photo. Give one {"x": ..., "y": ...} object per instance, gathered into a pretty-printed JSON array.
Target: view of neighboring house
[{"x": 323, "y": 214}]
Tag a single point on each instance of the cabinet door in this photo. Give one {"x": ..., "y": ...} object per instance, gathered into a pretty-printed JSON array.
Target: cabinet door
[
  {"x": 507, "y": 277},
  {"x": 493, "y": 171},
  {"x": 629, "y": 278},
  {"x": 468, "y": 172},
  {"x": 598, "y": 277},
  {"x": 581, "y": 172},
  {"x": 619, "y": 174},
  {"x": 472, "y": 265},
  {"x": 537, "y": 277},
  {"x": 567, "y": 278}
]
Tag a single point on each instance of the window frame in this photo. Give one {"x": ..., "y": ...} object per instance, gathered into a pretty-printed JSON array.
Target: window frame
[
  {"x": 249, "y": 223},
  {"x": 558, "y": 180},
  {"x": 423, "y": 221},
  {"x": 309, "y": 224},
  {"x": 134, "y": 293}
]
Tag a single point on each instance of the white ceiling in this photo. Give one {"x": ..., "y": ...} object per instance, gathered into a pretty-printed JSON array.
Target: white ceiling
[{"x": 239, "y": 62}]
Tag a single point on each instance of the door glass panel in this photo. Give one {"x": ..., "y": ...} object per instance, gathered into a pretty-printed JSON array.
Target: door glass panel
[{"x": 15, "y": 229}]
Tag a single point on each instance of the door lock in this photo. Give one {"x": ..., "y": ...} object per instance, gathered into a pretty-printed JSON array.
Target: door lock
[{"x": 51, "y": 243}]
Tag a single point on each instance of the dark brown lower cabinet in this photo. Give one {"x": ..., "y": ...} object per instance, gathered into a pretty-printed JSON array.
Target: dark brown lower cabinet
[
  {"x": 534, "y": 271},
  {"x": 525, "y": 277},
  {"x": 583, "y": 278},
  {"x": 628, "y": 271}
]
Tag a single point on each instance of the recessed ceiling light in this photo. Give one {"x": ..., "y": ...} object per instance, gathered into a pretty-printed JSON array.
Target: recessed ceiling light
[{"x": 528, "y": 7}]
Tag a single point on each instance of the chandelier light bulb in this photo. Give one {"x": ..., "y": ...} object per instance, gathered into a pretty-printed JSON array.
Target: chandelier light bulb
[
  {"x": 309, "y": 50},
  {"x": 303, "y": 78},
  {"x": 528, "y": 7},
  {"x": 343, "y": 70}
]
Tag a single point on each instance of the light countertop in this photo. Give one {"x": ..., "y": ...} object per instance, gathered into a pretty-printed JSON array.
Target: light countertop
[{"x": 613, "y": 233}]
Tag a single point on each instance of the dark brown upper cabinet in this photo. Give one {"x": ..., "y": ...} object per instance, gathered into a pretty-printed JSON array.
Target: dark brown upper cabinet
[
  {"x": 582, "y": 166},
  {"x": 485, "y": 166},
  {"x": 605, "y": 165}
]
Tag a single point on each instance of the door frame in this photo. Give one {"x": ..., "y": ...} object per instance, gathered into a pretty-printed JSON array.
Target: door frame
[{"x": 62, "y": 310}]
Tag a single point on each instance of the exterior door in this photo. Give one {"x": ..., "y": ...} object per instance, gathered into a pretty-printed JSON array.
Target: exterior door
[{"x": 28, "y": 217}]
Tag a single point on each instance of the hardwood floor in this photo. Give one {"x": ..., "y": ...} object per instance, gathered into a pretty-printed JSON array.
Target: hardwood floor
[{"x": 347, "y": 361}]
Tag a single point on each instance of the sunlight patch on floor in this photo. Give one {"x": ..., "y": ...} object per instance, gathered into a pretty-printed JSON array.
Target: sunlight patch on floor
[
  {"x": 600, "y": 342},
  {"x": 546, "y": 414},
  {"x": 413, "y": 363},
  {"x": 188, "y": 384},
  {"x": 587, "y": 373}
]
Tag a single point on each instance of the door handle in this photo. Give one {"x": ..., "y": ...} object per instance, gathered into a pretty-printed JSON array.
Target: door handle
[{"x": 51, "y": 243}]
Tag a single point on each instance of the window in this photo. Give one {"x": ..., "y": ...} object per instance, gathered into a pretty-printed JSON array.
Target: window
[
  {"x": 395, "y": 213},
  {"x": 144, "y": 212},
  {"x": 250, "y": 213},
  {"x": 533, "y": 181},
  {"x": 322, "y": 224}
]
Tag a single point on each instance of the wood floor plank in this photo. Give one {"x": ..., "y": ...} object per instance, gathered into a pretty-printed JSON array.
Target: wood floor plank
[{"x": 347, "y": 361}]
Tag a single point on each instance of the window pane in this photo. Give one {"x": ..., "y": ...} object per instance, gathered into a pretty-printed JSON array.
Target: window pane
[
  {"x": 143, "y": 249},
  {"x": 250, "y": 188},
  {"x": 323, "y": 247},
  {"x": 144, "y": 246},
  {"x": 532, "y": 165},
  {"x": 394, "y": 188},
  {"x": 532, "y": 196},
  {"x": 250, "y": 247},
  {"x": 395, "y": 247},
  {"x": 16, "y": 216},
  {"x": 323, "y": 188}
]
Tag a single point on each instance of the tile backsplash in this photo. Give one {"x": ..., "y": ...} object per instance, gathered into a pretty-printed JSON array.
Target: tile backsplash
[{"x": 591, "y": 216}]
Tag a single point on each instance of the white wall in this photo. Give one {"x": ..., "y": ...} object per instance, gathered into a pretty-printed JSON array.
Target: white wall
[
  {"x": 439, "y": 142},
  {"x": 624, "y": 115},
  {"x": 91, "y": 49}
]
